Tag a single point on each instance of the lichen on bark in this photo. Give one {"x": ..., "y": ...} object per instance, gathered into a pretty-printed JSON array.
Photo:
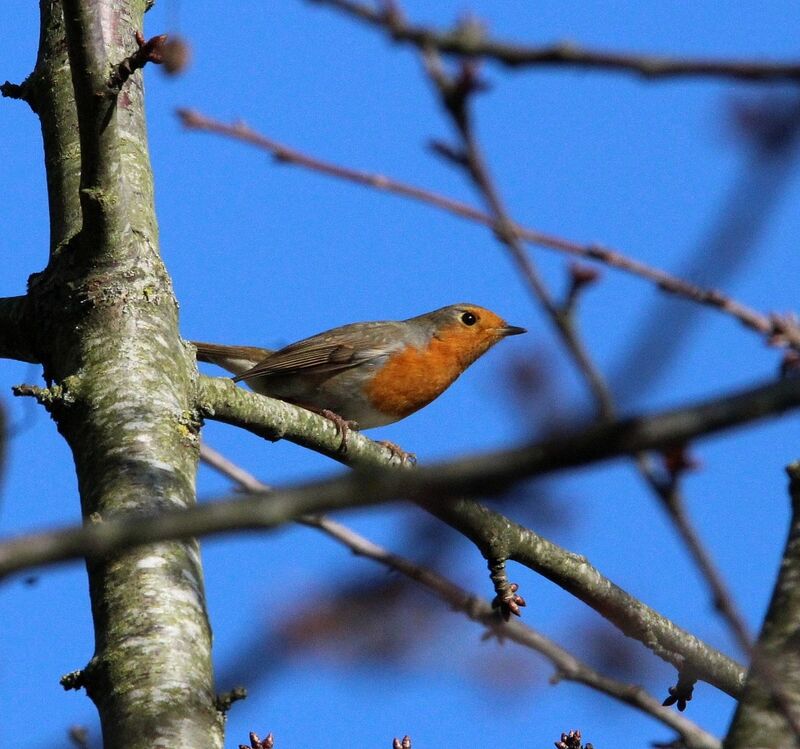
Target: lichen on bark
[{"x": 102, "y": 318}]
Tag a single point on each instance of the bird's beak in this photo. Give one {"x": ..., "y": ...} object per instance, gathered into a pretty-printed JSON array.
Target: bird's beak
[{"x": 511, "y": 330}]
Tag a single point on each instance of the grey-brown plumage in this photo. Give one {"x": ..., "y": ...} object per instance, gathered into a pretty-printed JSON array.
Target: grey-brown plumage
[{"x": 373, "y": 373}]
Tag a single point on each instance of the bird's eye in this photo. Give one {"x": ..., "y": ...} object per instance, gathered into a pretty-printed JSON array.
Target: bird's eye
[{"x": 468, "y": 318}]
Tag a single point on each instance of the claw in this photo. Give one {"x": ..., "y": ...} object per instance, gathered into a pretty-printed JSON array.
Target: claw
[
  {"x": 342, "y": 425},
  {"x": 398, "y": 452}
]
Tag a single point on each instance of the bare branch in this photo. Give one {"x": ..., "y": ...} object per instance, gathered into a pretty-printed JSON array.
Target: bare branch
[
  {"x": 455, "y": 94},
  {"x": 494, "y": 471},
  {"x": 667, "y": 640},
  {"x": 151, "y": 50},
  {"x": 567, "y": 666},
  {"x": 494, "y": 534},
  {"x": 100, "y": 167},
  {"x": 499, "y": 537},
  {"x": 671, "y": 497},
  {"x": 774, "y": 678},
  {"x": 221, "y": 400},
  {"x": 107, "y": 537},
  {"x": 778, "y": 330},
  {"x": 469, "y": 40}
]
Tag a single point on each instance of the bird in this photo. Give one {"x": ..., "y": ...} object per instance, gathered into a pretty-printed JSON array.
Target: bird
[{"x": 368, "y": 374}]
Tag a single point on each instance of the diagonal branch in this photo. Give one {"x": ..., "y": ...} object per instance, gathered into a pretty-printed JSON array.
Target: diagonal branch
[
  {"x": 768, "y": 714},
  {"x": 469, "y": 40},
  {"x": 498, "y": 537},
  {"x": 568, "y": 667},
  {"x": 671, "y": 498},
  {"x": 486, "y": 528},
  {"x": 220, "y": 399},
  {"x": 494, "y": 471},
  {"x": 779, "y": 330},
  {"x": 455, "y": 94},
  {"x": 493, "y": 533}
]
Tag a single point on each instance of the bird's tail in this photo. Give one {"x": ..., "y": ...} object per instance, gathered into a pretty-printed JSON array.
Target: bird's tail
[{"x": 234, "y": 359}]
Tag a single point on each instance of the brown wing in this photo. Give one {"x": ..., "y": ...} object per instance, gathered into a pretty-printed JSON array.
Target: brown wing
[{"x": 333, "y": 351}]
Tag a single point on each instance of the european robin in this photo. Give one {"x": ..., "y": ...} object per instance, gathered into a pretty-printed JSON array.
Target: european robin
[{"x": 370, "y": 373}]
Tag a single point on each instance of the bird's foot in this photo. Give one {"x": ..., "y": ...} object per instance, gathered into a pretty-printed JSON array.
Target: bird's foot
[
  {"x": 398, "y": 452},
  {"x": 342, "y": 425}
]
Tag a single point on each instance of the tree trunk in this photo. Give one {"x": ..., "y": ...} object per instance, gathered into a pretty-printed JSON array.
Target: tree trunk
[{"x": 102, "y": 319}]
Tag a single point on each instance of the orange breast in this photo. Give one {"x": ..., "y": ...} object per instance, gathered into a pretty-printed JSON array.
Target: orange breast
[{"x": 413, "y": 378}]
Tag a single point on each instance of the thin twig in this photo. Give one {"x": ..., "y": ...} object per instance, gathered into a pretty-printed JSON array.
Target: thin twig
[
  {"x": 221, "y": 464},
  {"x": 469, "y": 39},
  {"x": 455, "y": 94},
  {"x": 672, "y": 501},
  {"x": 779, "y": 330},
  {"x": 568, "y": 667},
  {"x": 764, "y": 324},
  {"x": 151, "y": 50}
]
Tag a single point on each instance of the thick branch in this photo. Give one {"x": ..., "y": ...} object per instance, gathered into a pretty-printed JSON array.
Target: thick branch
[
  {"x": 111, "y": 178},
  {"x": 493, "y": 533},
  {"x": 49, "y": 91},
  {"x": 497, "y": 536},
  {"x": 107, "y": 332},
  {"x": 99, "y": 136},
  {"x": 768, "y": 714},
  {"x": 470, "y": 40}
]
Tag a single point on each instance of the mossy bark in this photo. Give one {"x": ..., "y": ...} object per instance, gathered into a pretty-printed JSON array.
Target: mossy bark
[{"x": 103, "y": 321}]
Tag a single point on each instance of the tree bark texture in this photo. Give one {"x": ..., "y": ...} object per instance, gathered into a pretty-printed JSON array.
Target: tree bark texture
[
  {"x": 768, "y": 714},
  {"x": 103, "y": 321}
]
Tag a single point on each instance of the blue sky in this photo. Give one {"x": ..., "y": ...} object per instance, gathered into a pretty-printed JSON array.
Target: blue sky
[{"x": 264, "y": 254}]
